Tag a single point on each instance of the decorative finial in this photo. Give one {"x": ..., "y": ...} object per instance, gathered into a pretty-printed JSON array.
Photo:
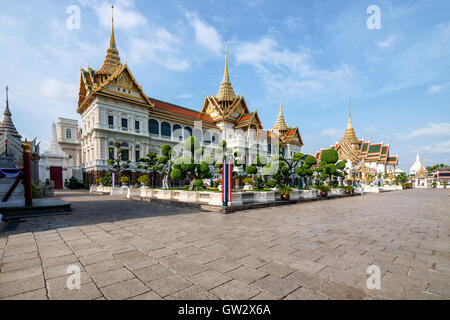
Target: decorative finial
[
  {"x": 350, "y": 108},
  {"x": 112, "y": 15}
]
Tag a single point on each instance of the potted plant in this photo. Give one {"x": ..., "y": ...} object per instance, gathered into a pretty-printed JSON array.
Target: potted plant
[
  {"x": 324, "y": 189},
  {"x": 144, "y": 180},
  {"x": 285, "y": 193},
  {"x": 99, "y": 181},
  {"x": 349, "y": 189},
  {"x": 248, "y": 183},
  {"x": 124, "y": 180},
  {"x": 444, "y": 183}
]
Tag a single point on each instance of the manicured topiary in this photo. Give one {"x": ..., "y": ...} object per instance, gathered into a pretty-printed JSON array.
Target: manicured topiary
[
  {"x": 251, "y": 170},
  {"x": 272, "y": 183},
  {"x": 198, "y": 183}
]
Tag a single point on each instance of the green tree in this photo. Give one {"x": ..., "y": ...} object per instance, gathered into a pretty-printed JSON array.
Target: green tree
[
  {"x": 282, "y": 167},
  {"x": 330, "y": 167},
  {"x": 119, "y": 165},
  {"x": 149, "y": 164},
  {"x": 305, "y": 170},
  {"x": 189, "y": 165}
]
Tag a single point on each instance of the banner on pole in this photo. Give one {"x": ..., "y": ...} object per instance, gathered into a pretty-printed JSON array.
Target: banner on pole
[
  {"x": 226, "y": 181},
  {"x": 113, "y": 179}
]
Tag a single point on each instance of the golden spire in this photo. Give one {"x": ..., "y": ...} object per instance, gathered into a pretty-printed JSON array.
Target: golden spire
[
  {"x": 280, "y": 125},
  {"x": 112, "y": 59},
  {"x": 226, "y": 92},
  {"x": 349, "y": 134}
]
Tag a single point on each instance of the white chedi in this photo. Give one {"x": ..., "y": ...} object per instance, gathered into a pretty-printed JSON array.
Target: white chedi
[{"x": 416, "y": 166}]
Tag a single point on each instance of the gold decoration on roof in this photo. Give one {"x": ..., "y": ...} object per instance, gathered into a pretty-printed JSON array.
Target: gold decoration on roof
[
  {"x": 226, "y": 92},
  {"x": 280, "y": 125},
  {"x": 349, "y": 134},
  {"x": 112, "y": 59}
]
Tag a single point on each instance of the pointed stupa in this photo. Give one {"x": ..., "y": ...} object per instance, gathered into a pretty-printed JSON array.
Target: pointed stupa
[
  {"x": 349, "y": 134},
  {"x": 280, "y": 125},
  {"x": 54, "y": 150},
  {"x": 112, "y": 59},
  {"x": 7, "y": 127},
  {"x": 416, "y": 166},
  {"x": 226, "y": 92}
]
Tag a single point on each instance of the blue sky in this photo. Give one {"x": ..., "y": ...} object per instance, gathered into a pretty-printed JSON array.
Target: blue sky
[{"x": 317, "y": 53}]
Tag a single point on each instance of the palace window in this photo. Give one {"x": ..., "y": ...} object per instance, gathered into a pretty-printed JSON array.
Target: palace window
[
  {"x": 215, "y": 138},
  {"x": 111, "y": 153},
  {"x": 124, "y": 123},
  {"x": 187, "y": 132},
  {"x": 207, "y": 137},
  {"x": 68, "y": 134},
  {"x": 178, "y": 132},
  {"x": 137, "y": 153},
  {"x": 198, "y": 134},
  {"x": 111, "y": 121},
  {"x": 125, "y": 155},
  {"x": 153, "y": 126},
  {"x": 166, "y": 129},
  {"x": 136, "y": 125}
]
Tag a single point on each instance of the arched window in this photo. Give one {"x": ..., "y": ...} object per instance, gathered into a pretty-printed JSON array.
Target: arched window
[
  {"x": 215, "y": 138},
  {"x": 166, "y": 129},
  {"x": 187, "y": 132},
  {"x": 207, "y": 137},
  {"x": 153, "y": 126},
  {"x": 177, "y": 132},
  {"x": 198, "y": 134}
]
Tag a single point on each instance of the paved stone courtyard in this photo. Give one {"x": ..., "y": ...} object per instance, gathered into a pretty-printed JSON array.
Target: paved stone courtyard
[{"x": 318, "y": 250}]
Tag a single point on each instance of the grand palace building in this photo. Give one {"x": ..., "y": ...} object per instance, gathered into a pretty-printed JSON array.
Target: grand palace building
[
  {"x": 363, "y": 157},
  {"x": 114, "y": 108}
]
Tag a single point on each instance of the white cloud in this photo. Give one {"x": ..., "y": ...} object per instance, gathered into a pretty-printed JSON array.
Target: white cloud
[
  {"x": 437, "y": 87},
  {"x": 205, "y": 34},
  {"x": 334, "y": 133},
  {"x": 433, "y": 129},
  {"x": 58, "y": 90},
  {"x": 437, "y": 148},
  {"x": 293, "y": 72},
  {"x": 161, "y": 49},
  {"x": 386, "y": 43}
]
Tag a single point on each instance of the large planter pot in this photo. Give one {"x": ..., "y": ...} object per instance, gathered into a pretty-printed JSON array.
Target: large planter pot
[
  {"x": 324, "y": 194},
  {"x": 285, "y": 197},
  {"x": 348, "y": 192}
]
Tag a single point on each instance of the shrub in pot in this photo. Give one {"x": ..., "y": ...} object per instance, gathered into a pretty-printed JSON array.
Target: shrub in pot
[
  {"x": 124, "y": 180},
  {"x": 198, "y": 183},
  {"x": 285, "y": 193},
  {"x": 324, "y": 189},
  {"x": 349, "y": 189},
  {"x": 144, "y": 180}
]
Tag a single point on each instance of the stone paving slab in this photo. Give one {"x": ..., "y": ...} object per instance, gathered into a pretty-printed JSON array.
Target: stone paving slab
[{"x": 317, "y": 250}]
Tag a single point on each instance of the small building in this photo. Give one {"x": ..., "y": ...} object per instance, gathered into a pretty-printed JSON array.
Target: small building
[
  {"x": 442, "y": 174},
  {"x": 55, "y": 164},
  {"x": 420, "y": 178},
  {"x": 68, "y": 135}
]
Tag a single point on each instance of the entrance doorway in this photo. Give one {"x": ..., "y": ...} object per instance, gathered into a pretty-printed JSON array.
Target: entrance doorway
[{"x": 56, "y": 176}]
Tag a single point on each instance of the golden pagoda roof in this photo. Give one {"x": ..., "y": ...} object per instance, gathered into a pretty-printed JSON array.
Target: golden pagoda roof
[
  {"x": 112, "y": 59},
  {"x": 280, "y": 124},
  {"x": 349, "y": 135},
  {"x": 226, "y": 92}
]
